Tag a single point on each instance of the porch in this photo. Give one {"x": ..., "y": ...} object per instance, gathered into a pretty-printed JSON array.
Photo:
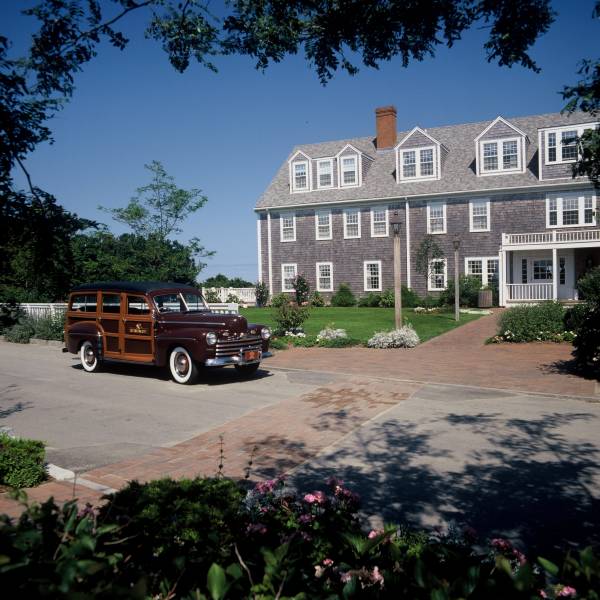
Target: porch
[{"x": 546, "y": 265}]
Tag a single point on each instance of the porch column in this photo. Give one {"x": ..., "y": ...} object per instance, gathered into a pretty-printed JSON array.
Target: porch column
[
  {"x": 554, "y": 273},
  {"x": 501, "y": 277}
]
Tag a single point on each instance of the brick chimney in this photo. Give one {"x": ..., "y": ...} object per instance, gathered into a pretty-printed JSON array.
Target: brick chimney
[{"x": 385, "y": 117}]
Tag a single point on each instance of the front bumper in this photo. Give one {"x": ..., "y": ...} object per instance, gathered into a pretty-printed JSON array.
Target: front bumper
[{"x": 223, "y": 361}]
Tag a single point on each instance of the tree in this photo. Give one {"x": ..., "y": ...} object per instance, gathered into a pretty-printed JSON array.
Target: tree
[
  {"x": 219, "y": 280},
  {"x": 428, "y": 250}
]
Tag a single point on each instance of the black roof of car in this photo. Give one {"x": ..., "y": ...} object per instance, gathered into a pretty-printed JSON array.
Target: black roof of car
[{"x": 132, "y": 286}]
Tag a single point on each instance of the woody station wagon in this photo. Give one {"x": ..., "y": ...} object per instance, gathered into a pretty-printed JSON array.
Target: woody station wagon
[{"x": 159, "y": 324}]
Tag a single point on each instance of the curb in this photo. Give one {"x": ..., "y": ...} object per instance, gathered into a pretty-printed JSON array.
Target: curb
[
  {"x": 36, "y": 342},
  {"x": 65, "y": 475}
]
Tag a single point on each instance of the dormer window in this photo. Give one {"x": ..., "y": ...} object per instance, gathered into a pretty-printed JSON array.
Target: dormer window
[
  {"x": 325, "y": 173},
  {"x": 349, "y": 171},
  {"x": 561, "y": 144},
  {"x": 500, "y": 156},
  {"x": 300, "y": 176},
  {"x": 418, "y": 157},
  {"x": 417, "y": 164}
]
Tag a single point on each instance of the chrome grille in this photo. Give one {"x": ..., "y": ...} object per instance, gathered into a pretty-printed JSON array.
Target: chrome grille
[{"x": 233, "y": 346}]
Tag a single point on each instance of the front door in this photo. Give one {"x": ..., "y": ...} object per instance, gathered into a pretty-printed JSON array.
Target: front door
[
  {"x": 109, "y": 318},
  {"x": 138, "y": 329},
  {"x": 566, "y": 275}
]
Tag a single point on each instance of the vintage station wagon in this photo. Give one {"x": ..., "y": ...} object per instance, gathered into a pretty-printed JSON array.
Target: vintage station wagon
[{"x": 160, "y": 324}]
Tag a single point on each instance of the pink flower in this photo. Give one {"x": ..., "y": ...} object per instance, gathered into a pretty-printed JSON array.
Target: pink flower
[
  {"x": 374, "y": 533},
  {"x": 310, "y": 498},
  {"x": 519, "y": 556},
  {"x": 501, "y": 544},
  {"x": 376, "y": 576},
  {"x": 345, "y": 577},
  {"x": 327, "y": 562},
  {"x": 543, "y": 594},
  {"x": 567, "y": 592},
  {"x": 320, "y": 497}
]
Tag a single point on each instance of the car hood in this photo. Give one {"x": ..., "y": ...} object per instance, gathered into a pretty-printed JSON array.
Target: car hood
[{"x": 233, "y": 323}]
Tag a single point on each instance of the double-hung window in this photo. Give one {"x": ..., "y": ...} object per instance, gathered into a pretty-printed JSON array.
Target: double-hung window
[
  {"x": 352, "y": 223},
  {"x": 324, "y": 277},
  {"x": 325, "y": 173},
  {"x": 561, "y": 143},
  {"x": 571, "y": 210},
  {"x": 300, "y": 176},
  {"x": 479, "y": 215},
  {"x": 500, "y": 156},
  {"x": 288, "y": 227},
  {"x": 436, "y": 217},
  {"x": 288, "y": 274},
  {"x": 372, "y": 275},
  {"x": 437, "y": 279},
  {"x": 417, "y": 164},
  {"x": 323, "y": 225},
  {"x": 349, "y": 170},
  {"x": 484, "y": 268},
  {"x": 379, "y": 221}
]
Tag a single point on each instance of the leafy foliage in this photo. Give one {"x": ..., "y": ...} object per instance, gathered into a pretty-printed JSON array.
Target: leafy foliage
[
  {"x": 21, "y": 462},
  {"x": 50, "y": 327},
  {"x": 589, "y": 286},
  {"x": 372, "y": 299},
  {"x": 585, "y": 320},
  {"x": 279, "y": 300},
  {"x": 427, "y": 251},
  {"x": 261, "y": 290},
  {"x": 469, "y": 287},
  {"x": 10, "y": 314},
  {"x": 20, "y": 333},
  {"x": 212, "y": 296},
  {"x": 290, "y": 317},
  {"x": 220, "y": 280},
  {"x": 538, "y": 322},
  {"x": 343, "y": 296},
  {"x": 301, "y": 289},
  {"x": 316, "y": 299}
]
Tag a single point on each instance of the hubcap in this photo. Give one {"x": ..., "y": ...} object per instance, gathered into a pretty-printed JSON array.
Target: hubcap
[
  {"x": 89, "y": 356},
  {"x": 181, "y": 364}
]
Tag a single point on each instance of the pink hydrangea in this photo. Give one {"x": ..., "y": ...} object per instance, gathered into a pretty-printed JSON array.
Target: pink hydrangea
[
  {"x": 327, "y": 562},
  {"x": 376, "y": 576},
  {"x": 375, "y": 532},
  {"x": 345, "y": 577},
  {"x": 317, "y": 497},
  {"x": 567, "y": 592}
]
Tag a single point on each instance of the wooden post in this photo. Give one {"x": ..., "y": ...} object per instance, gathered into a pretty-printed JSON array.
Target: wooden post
[
  {"x": 397, "y": 282},
  {"x": 456, "y": 287}
]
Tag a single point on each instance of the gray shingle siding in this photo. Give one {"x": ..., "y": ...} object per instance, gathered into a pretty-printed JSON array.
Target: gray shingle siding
[
  {"x": 500, "y": 130},
  {"x": 416, "y": 140}
]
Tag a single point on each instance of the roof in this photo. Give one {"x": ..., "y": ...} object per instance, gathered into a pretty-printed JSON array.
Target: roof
[
  {"x": 132, "y": 286},
  {"x": 458, "y": 171}
]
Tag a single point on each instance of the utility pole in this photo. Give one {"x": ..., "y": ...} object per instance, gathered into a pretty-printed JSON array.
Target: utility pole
[
  {"x": 396, "y": 222},
  {"x": 456, "y": 282}
]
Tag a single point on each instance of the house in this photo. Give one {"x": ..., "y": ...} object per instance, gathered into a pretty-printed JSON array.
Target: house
[{"x": 503, "y": 187}]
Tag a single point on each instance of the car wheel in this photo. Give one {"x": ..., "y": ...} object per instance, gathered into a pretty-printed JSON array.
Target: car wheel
[
  {"x": 183, "y": 368},
  {"x": 89, "y": 357},
  {"x": 247, "y": 370}
]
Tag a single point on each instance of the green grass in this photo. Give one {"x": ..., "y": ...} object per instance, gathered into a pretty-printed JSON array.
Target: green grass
[{"x": 362, "y": 323}]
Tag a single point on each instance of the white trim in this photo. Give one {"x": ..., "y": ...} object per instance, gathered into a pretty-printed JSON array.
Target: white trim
[
  {"x": 484, "y": 267},
  {"x": 500, "y": 119},
  {"x": 407, "y": 213},
  {"x": 284, "y": 215},
  {"x": 429, "y": 204},
  {"x": 387, "y": 221},
  {"x": 357, "y": 171},
  {"x": 259, "y": 248},
  {"x": 540, "y": 170},
  {"x": 580, "y": 209},
  {"x": 372, "y": 262},
  {"x": 429, "y": 273},
  {"x": 417, "y": 177},
  {"x": 328, "y": 212},
  {"x": 579, "y": 128},
  {"x": 293, "y": 188},
  {"x": 417, "y": 130},
  {"x": 318, "y": 286},
  {"x": 283, "y": 265},
  {"x": 488, "y": 211},
  {"x": 270, "y": 253},
  {"x": 324, "y": 160},
  {"x": 346, "y": 211},
  {"x": 354, "y": 148},
  {"x": 500, "y": 157}
]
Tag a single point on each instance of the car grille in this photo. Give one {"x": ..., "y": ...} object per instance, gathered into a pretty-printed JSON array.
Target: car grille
[{"x": 232, "y": 347}]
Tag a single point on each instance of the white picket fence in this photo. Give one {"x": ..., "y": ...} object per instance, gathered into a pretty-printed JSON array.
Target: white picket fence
[{"x": 246, "y": 296}]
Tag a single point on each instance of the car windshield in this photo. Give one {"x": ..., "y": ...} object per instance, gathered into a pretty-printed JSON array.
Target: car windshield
[{"x": 180, "y": 302}]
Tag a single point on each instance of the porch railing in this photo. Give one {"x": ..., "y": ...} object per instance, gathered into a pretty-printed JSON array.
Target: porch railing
[
  {"x": 551, "y": 237},
  {"x": 528, "y": 291}
]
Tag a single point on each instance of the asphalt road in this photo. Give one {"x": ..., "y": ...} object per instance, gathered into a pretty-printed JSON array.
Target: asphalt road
[{"x": 92, "y": 419}]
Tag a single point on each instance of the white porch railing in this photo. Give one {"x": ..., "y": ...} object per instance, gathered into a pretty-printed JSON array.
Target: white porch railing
[
  {"x": 244, "y": 295},
  {"x": 528, "y": 291},
  {"x": 551, "y": 237}
]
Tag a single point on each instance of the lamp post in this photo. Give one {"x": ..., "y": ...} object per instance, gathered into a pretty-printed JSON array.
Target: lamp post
[
  {"x": 456, "y": 243},
  {"x": 395, "y": 223}
]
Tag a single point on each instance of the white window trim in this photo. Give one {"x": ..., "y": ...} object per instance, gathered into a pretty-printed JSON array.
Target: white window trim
[
  {"x": 319, "y": 288},
  {"x": 341, "y": 172},
  {"x": 479, "y": 200},
  {"x": 429, "y": 205},
  {"x": 323, "y": 212},
  {"x": 432, "y": 289},
  {"x": 417, "y": 151},
  {"x": 484, "y": 264},
  {"x": 297, "y": 190},
  {"x": 365, "y": 277},
  {"x": 281, "y": 217},
  {"x": 387, "y": 221},
  {"x": 346, "y": 211},
  {"x": 580, "y": 209},
  {"x": 558, "y": 130},
  {"x": 283, "y": 265},
  {"x": 499, "y": 141},
  {"x": 319, "y": 163}
]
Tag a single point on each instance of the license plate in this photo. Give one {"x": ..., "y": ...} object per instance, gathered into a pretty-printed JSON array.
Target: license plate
[{"x": 251, "y": 355}]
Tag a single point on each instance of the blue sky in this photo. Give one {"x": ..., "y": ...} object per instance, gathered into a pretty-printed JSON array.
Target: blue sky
[{"x": 228, "y": 133}]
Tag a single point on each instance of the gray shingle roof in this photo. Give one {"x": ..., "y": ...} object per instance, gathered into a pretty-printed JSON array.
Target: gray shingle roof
[{"x": 458, "y": 172}]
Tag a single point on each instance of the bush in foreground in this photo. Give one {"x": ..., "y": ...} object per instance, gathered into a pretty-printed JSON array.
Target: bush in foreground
[
  {"x": 539, "y": 322},
  {"x": 405, "y": 337},
  {"x": 343, "y": 297},
  {"x": 22, "y": 462},
  {"x": 290, "y": 317},
  {"x": 469, "y": 287},
  {"x": 213, "y": 538}
]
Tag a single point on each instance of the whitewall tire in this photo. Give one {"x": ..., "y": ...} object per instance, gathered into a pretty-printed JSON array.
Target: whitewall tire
[
  {"x": 183, "y": 368},
  {"x": 89, "y": 357}
]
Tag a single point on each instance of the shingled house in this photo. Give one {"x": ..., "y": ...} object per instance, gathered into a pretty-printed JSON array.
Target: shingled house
[{"x": 503, "y": 186}]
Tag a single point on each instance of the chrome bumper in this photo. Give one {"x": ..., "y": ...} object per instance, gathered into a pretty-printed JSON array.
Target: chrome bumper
[{"x": 223, "y": 361}]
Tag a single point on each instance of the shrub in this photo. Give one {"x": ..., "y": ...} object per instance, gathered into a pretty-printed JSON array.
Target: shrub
[
  {"x": 405, "y": 337},
  {"x": 10, "y": 314},
  {"x": 575, "y": 316},
  {"x": 341, "y": 342},
  {"x": 330, "y": 333},
  {"x": 343, "y": 297},
  {"x": 278, "y": 343},
  {"x": 20, "y": 333},
  {"x": 388, "y": 299},
  {"x": 212, "y": 296},
  {"x": 49, "y": 328},
  {"x": 469, "y": 291},
  {"x": 538, "y": 322},
  {"x": 410, "y": 298},
  {"x": 232, "y": 298},
  {"x": 279, "y": 300},
  {"x": 589, "y": 286},
  {"x": 304, "y": 341},
  {"x": 587, "y": 340},
  {"x": 370, "y": 300},
  {"x": 262, "y": 293},
  {"x": 21, "y": 462},
  {"x": 301, "y": 288},
  {"x": 290, "y": 317},
  {"x": 316, "y": 299}
]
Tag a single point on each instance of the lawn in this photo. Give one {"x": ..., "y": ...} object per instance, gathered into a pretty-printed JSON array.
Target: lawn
[{"x": 362, "y": 323}]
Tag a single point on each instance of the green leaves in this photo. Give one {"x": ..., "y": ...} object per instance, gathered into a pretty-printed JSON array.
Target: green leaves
[{"x": 216, "y": 582}]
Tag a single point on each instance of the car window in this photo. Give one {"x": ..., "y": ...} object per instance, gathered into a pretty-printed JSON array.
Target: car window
[
  {"x": 111, "y": 303},
  {"x": 84, "y": 303},
  {"x": 194, "y": 301},
  {"x": 137, "y": 305},
  {"x": 169, "y": 303}
]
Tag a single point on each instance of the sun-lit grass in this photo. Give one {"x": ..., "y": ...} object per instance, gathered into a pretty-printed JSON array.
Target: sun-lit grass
[{"x": 362, "y": 323}]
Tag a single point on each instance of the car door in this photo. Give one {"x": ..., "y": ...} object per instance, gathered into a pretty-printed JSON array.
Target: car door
[
  {"x": 138, "y": 324},
  {"x": 109, "y": 318}
]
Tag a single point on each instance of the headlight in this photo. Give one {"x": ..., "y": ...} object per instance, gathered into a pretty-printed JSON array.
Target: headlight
[
  {"x": 211, "y": 339},
  {"x": 265, "y": 334}
]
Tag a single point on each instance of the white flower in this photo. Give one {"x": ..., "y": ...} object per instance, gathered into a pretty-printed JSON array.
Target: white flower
[{"x": 405, "y": 337}]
